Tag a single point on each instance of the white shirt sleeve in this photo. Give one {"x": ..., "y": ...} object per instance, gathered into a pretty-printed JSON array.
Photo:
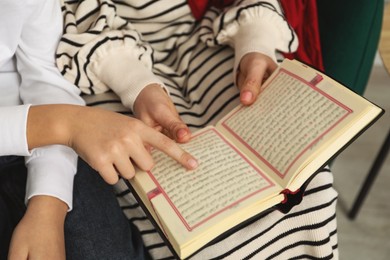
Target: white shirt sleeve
[
  {"x": 13, "y": 137},
  {"x": 51, "y": 172},
  {"x": 51, "y": 169}
]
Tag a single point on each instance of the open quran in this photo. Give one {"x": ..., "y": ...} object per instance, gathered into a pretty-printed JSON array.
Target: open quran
[{"x": 254, "y": 159}]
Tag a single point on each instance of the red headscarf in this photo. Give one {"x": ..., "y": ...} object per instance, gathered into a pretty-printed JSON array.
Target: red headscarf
[
  {"x": 300, "y": 14},
  {"x": 303, "y": 17},
  {"x": 199, "y": 7}
]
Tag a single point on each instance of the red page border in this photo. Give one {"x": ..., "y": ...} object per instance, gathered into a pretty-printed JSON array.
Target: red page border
[
  {"x": 311, "y": 85},
  {"x": 190, "y": 228}
]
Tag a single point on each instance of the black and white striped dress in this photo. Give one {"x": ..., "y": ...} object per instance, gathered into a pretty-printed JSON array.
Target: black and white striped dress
[{"x": 112, "y": 49}]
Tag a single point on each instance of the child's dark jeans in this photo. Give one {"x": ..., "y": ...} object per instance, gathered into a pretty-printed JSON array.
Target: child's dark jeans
[{"x": 96, "y": 228}]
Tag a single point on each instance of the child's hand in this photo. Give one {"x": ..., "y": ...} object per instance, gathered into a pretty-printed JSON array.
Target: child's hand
[
  {"x": 111, "y": 143},
  {"x": 154, "y": 107},
  {"x": 40, "y": 233},
  {"x": 253, "y": 70}
]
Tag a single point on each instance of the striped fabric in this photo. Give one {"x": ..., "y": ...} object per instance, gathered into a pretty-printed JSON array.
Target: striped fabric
[
  {"x": 308, "y": 231},
  {"x": 196, "y": 63},
  {"x": 164, "y": 38}
]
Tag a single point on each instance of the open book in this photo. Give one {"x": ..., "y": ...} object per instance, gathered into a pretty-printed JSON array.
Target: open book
[{"x": 253, "y": 157}]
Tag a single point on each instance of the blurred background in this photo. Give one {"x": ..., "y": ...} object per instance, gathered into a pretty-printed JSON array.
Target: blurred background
[{"x": 368, "y": 235}]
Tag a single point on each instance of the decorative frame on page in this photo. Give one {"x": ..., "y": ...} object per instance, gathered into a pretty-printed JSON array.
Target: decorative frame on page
[
  {"x": 291, "y": 133},
  {"x": 196, "y": 196}
]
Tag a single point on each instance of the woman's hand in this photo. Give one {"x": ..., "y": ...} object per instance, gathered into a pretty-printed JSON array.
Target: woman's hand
[
  {"x": 253, "y": 70},
  {"x": 154, "y": 107}
]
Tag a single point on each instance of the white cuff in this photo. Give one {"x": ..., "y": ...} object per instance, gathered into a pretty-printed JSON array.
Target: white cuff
[
  {"x": 122, "y": 72},
  {"x": 13, "y": 134},
  {"x": 255, "y": 38},
  {"x": 51, "y": 172}
]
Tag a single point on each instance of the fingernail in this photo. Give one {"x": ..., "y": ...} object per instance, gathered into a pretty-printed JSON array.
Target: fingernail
[
  {"x": 246, "y": 96},
  {"x": 181, "y": 133},
  {"x": 192, "y": 163},
  {"x": 149, "y": 148}
]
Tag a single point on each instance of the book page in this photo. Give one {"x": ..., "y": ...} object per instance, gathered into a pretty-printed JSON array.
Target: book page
[
  {"x": 300, "y": 120},
  {"x": 290, "y": 118},
  {"x": 224, "y": 179}
]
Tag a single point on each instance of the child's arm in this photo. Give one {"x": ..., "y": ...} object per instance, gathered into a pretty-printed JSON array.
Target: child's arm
[
  {"x": 250, "y": 26},
  {"x": 40, "y": 233},
  {"x": 104, "y": 139},
  {"x": 100, "y": 54}
]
